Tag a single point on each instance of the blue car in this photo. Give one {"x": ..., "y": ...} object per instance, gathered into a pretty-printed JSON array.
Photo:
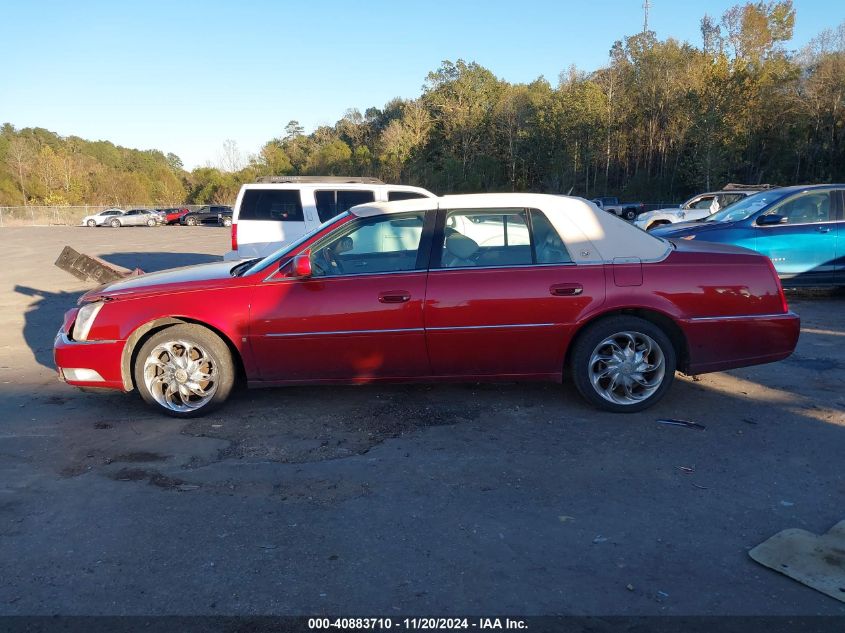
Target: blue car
[{"x": 801, "y": 229}]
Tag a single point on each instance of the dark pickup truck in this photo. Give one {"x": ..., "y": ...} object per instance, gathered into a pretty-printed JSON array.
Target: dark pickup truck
[{"x": 627, "y": 210}]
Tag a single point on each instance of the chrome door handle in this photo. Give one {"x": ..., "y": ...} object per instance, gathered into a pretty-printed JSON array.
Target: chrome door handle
[
  {"x": 566, "y": 290},
  {"x": 823, "y": 229},
  {"x": 394, "y": 296}
]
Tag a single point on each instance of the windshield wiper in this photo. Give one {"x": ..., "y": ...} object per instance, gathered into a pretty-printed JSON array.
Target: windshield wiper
[{"x": 237, "y": 269}]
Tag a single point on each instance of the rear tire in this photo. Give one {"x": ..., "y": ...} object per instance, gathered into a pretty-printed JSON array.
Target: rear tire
[
  {"x": 191, "y": 221},
  {"x": 629, "y": 215},
  {"x": 623, "y": 364},
  {"x": 227, "y": 221},
  {"x": 151, "y": 222},
  {"x": 184, "y": 371}
]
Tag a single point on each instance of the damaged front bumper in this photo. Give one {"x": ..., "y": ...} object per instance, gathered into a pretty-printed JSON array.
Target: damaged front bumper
[{"x": 89, "y": 363}]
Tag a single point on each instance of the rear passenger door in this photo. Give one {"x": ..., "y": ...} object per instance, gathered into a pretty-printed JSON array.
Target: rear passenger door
[{"x": 503, "y": 294}]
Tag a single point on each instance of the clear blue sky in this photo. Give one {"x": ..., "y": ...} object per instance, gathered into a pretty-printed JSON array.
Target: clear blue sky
[{"x": 184, "y": 76}]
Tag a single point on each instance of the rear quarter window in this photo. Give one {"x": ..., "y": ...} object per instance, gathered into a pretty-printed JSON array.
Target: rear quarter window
[
  {"x": 403, "y": 195},
  {"x": 280, "y": 205}
]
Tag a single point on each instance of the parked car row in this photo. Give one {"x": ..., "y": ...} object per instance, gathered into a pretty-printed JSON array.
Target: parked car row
[
  {"x": 115, "y": 218},
  {"x": 801, "y": 229},
  {"x": 698, "y": 207}
]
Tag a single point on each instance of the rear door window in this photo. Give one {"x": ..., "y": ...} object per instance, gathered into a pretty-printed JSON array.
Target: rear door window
[
  {"x": 500, "y": 237},
  {"x": 280, "y": 205},
  {"x": 334, "y": 202}
]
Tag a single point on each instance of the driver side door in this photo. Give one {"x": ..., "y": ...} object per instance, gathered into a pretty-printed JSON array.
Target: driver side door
[{"x": 359, "y": 317}]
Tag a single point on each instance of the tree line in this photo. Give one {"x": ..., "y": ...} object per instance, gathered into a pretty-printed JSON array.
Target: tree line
[{"x": 663, "y": 119}]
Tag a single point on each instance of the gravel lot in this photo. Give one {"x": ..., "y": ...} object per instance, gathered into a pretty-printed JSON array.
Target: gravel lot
[{"x": 414, "y": 500}]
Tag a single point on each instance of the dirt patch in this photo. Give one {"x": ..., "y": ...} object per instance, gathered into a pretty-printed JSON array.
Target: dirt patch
[
  {"x": 815, "y": 364},
  {"x": 154, "y": 477},
  {"x": 291, "y": 436},
  {"x": 138, "y": 457}
]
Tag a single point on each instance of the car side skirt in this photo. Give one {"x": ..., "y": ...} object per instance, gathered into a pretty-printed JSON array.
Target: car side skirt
[{"x": 364, "y": 380}]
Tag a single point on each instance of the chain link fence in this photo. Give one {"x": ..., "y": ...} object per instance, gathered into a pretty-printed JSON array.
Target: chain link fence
[{"x": 69, "y": 215}]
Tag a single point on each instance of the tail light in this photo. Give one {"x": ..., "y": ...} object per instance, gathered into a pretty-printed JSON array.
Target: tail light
[
  {"x": 234, "y": 236},
  {"x": 783, "y": 304}
]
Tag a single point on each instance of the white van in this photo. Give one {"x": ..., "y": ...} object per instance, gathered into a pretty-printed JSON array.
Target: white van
[{"x": 280, "y": 209}]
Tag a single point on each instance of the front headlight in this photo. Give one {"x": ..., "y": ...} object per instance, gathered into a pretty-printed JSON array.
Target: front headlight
[{"x": 85, "y": 319}]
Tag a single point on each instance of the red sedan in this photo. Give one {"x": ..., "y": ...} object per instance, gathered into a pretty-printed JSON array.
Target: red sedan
[
  {"x": 172, "y": 216},
  {"x": 459, "y": 288}
]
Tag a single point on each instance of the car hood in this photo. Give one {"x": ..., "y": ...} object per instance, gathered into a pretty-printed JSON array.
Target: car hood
[
  {"x": 199, "y": 275},
  {"x": 689, "y": 228},
  {"x": 651, "y": 214}
]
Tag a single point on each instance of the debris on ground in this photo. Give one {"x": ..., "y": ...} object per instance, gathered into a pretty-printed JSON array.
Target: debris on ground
[
  {"x": 686, "y": 469},
  {"x": 683, "y": 423},
  {"x": 89, "y": 268},
  {"x": 600, "y": 539},
  {"x": 817, "y": 561}
]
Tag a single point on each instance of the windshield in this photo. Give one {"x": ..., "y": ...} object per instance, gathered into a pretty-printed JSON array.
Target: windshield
[
  {"x": 264, "y": 263},
  {"x": 746, "y": 207}
]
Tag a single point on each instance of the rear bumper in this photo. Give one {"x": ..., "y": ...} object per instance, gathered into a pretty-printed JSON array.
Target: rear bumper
[
  {"x": 720, "y": 343},
  {"x": 89, "y": 363}
]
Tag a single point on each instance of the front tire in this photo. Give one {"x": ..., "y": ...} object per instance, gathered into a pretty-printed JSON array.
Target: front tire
[
  {"x": 629, "y": 215},
  {"x": 623, "y": 364},
  {"x": 151, "y": 222},
  {"x": 227, "y": 221},
  {"x": 91, "y": 223},
  {"x": 184, "y": 371},
  {"x": 191, "y": 221},
  {"x": 115, "y": 224}
]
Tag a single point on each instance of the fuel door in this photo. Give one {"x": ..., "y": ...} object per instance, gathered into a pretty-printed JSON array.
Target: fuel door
[{"x": 627, "y": 271}]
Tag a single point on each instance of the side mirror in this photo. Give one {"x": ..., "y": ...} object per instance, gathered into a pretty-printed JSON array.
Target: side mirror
[
  {"x": 302, "y": 266},
  {"x": 770, "y": 220}
]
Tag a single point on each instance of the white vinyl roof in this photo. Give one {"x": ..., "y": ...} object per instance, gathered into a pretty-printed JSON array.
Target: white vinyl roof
[{"x": 590, "y": 234}]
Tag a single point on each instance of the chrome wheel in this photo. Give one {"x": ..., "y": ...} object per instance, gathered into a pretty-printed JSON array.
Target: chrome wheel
[
  {"x": 627, "y": 367},
  {"x": 91, "y": 223},
  {"x": 180, "y": 375}
]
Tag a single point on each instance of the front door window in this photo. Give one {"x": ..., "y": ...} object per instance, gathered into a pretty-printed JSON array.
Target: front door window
[{"x": 383, "y": 244}]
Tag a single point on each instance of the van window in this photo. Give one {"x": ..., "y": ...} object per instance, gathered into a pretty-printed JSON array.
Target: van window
[
  {"x": 331, "y": 203},
  {"x": 403, "y": 195},
  {"x": 281, "y": 205}
]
